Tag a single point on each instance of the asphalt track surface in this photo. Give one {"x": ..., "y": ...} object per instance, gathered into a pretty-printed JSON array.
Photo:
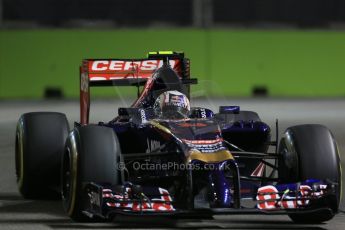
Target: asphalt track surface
[{"x": 17, "y": 213}]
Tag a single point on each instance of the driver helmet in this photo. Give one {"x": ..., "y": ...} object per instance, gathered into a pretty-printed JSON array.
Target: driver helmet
[{"x": 172, "y": 105}]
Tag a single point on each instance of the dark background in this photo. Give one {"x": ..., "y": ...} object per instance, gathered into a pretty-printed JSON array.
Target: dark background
[{"x": 139, "y": 13}]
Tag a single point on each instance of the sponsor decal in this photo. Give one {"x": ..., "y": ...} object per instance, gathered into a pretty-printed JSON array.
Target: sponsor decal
[
  {"x": 305, "y": 191},
  {"x": 205, "y": 146},
  {"x": 192, "y": 124},
  {"x": 143, "y": 116},
  {"x": 196, "y": 142},
  {"x": 269, "y": 197},
  {"x": 152, "y": 145},
  {"x": 203, "y": 113},
  {"x": 121, "y": 65},
  {"x": 102, "y": 70}
]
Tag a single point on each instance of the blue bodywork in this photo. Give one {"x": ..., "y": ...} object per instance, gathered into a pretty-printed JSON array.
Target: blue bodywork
[{"x": 224, "y": 156}]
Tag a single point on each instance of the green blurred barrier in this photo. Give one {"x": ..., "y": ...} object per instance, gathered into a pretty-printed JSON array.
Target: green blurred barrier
[{"x": 227, "y": 62}]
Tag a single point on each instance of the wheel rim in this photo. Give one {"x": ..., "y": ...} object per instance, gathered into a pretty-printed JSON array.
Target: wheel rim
[
  {"x": 69, "y": 176},
  {"x": 66, "y": 180},
  {"x": 19, "y": 156}
]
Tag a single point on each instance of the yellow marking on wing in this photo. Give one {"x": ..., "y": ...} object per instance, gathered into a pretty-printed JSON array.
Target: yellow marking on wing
[{"x": 214, "y": 157}]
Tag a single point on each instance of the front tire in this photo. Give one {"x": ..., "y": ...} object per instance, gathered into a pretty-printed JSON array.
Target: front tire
[
  {"x": 310, "y": 152},
  {"x": 39, "y": 144},
  {"x": 91, "y": 155}
]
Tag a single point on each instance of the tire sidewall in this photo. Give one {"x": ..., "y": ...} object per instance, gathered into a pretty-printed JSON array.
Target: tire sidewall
[
  {"x": 78, "y": 149},
  {"x": 39, "y": 144}
]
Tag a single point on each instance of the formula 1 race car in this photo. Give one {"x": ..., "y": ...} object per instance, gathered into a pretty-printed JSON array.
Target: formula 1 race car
[{"x": 162, "y": 157}]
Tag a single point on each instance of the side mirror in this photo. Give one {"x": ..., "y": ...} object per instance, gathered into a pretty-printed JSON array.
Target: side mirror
[{"x": 232, "y": 109}]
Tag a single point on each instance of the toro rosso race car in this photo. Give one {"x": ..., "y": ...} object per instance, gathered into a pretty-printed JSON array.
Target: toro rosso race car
[{"x": 161, "y": 156}]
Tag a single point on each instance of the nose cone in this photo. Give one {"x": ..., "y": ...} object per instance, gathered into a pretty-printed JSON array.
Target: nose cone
[{"x": 221, "y": 196}]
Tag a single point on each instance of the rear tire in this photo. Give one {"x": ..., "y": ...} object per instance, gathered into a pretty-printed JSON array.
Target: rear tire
[
  {"x": 40, "y": 140},
  {"x": 91, "y": 155},
  {"x": 310, "y": 152}
]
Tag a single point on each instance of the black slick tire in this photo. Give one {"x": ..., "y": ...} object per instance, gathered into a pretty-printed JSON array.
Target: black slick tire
[
  {"x": 91, "y": 155},
  {"x": 310, "y": 152},
  {"x": 39, "y": 144}
]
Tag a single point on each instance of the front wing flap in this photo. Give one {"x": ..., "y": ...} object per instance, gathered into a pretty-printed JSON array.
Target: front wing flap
[
  {"x": 105, "y": 200},
  {"x": 308, "y": 194}
]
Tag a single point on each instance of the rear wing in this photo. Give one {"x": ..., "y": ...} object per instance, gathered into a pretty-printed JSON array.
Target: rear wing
[{"x": 127, "y": 72}]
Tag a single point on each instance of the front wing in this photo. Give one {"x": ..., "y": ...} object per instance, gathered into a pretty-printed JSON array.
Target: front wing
[{"x": 306, "y": 197}]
